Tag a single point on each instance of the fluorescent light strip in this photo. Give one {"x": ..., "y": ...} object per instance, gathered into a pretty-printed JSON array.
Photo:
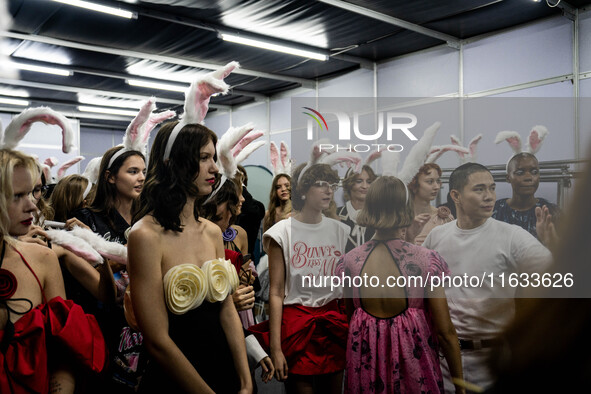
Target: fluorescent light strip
[
  {"x": 99, "y": 8},
  {"x": 108, "y": 111},
  {"x": 156, "y": 85},
  {"x": 10, "y": 101},
  {"x": 273, "y": 47},
  {"x": 41, "y": 69},
  {"x": 104, "y": 102},
  {"x": 14, "y": 93}
]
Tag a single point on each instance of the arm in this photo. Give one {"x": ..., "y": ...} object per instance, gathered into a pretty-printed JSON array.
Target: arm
[
  {"x": 145, "y": 273},
  {"x": 232, "y": 326},
  {"x": 61, "y": 378},
  {"x": 446, "y": 333},
  {"x": 276, "y": 296}
]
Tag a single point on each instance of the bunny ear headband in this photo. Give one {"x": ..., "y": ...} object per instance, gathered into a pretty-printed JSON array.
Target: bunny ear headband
[
  {"x": 536, "y": 137},
  {"x": 233, "y": 148},
  {"x": 349, "y": 159},
  {"x": 280, "y": 159},
  {"x": 21, "y": 124},
  {"x": 137, "y": 133},
  {"x": 466, "y": 155},
  {"x": 413, "y": 162},
  {"x": 352, "y": 171},
  {"x": 197, "y": 100}
]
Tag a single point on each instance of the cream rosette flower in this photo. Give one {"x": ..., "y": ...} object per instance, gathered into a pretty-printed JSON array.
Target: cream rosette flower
[
  {"x": 233, "y": 276},
  {"x": 220, "y": 279},
  {"x": 185, "y": 287}
]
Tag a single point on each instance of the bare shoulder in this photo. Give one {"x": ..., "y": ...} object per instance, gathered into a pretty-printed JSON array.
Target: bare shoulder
[
  {"x": 210, "y": 228},
  {"x": 41, "y": 258},
  {"x": 146, "y": 229},
  {"x": 241, "y": 231}
]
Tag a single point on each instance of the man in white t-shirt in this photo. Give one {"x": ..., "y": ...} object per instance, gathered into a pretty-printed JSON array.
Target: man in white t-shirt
[{"x": 484, "y": 252}]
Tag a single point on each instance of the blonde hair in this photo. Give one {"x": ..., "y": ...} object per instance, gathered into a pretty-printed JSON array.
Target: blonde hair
[
  {"x": 352, "y": 177},
  {"x": 68, "y": 196},
  {"x": 386, "y": 205},
  {"x": 9, "y": 160}
]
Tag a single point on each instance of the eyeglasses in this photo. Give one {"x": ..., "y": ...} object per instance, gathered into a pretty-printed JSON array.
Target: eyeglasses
[
  {"x": 326, "y": 185},
  {"x": 39, "y": 191}
]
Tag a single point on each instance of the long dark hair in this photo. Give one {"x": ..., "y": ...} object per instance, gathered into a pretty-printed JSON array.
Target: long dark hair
[
  {"x": 168, "y": 183},
  {"x": 275, "y": 201},
  {"x": 106, "y": 192},
  {"x": 230, "y": 193}
]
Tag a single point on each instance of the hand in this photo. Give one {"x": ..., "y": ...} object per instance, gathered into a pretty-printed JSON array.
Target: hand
[
  {"x": 33, "y": 236},
  {"x": 417, "y": 226},
  {"x": 243, "y": 298},
  {"x": 268, "y": 369},
  {"x": 280, "y": 364},
  {"x": 545, "y": 227},
  {"x": 70, "y": 223}
]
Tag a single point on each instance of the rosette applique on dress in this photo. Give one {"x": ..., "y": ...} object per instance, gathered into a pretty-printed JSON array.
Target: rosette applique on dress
[{"x": 186, "y": 286}]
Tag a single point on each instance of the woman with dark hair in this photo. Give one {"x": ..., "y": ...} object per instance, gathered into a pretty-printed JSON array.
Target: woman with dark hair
[
  {"x": 36, "y": 323},
  {"x": 391, "y": 345},
  {"x": 180, "y": 283},
  {"x": 306, "y": 332},
  {"x": 120, "y": 181},
  {"x": 355, "y": 188},
  {"x": 279, "y": 201},
  {"x": 424, "y": 188}
]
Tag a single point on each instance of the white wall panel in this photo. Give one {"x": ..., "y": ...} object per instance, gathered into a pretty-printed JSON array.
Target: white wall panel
[
  {"x": 358, "y": 83},
  {"x": 585, "y": 41}
]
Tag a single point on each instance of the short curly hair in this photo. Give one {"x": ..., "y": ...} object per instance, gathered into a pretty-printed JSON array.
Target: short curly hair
[
  {"x": 316, "y": 172},
  {"x": 413, "y": 186}
]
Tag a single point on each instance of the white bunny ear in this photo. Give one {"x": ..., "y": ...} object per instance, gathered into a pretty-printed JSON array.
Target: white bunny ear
[
  {"x": 201, "y": 90},
  {"x": 274, "y": 157},
  {"x": 133, "y": 138},
  {"x": 226, "y": 143},
  {"x": 62, "y": 170},
  {"x": 460, "y": 150},
  {"x": 92, "y": 170},
  {"x": 110, "y": 250},
  {"x": 512, "y": 137},
  {"x": 153, "y": 121},
  {"x": 285, "y": 158},
  {"x": 75, "y": 245},
  {"x": 247, "y": 139},
  {"x": 432, "y": 156},
  {"x": 348, "y": 159},
  {"x": 51, "y": 161},
  {"x": 455, "y": 140},
  {"x": 246, "y": 146},
  {"x": 21, "y": 124},
  {"x": 390, "y": 161},
  {"x": 472, "y": 147},
  {"x": 536, "y": 137},
  {"x": 418, "y": 154},
  {"x": 373, "y": 157},
  {"x": 247, "y": 151}
]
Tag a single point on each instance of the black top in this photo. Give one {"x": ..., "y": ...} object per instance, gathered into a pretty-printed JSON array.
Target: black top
[
  {"x": 253, "y": 212},
  {"x": 99, "y": 223}
]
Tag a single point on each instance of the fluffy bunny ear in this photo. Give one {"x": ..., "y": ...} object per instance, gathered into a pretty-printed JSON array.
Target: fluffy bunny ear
[
  {"x": 51, "y": 162},
  {"x": 201, "y": 90},
  {"x": 472, "y": 146},
  {"x": 75, "y": 245},
  {"x": 62, "y": 170},
  {"x": 153, "y": 121},
  {"x": 372, "y": 157},
  {"x": 512, "y": 137},
  {"x": 536, "y": 137},
  {"x": 247, "y": 139},
  {"x": 389, "y": 163},
  {"x": 110, "y": 250},
  {"x": 92, "y": 170},
  {"x": 316, "y": 153},
  {"x": 455, "y": 140},
  {"x": 226, "y": 143},
  {"x": 21, "y": 124},
  {"x": 418, "y": 154},
  {"x": 285, "y": 158},
  {"x": 250, "y": 147},
  {"x": 133, "y": 138},
  {"x": 460, "y": 150},
  {"x": 432, "y": 156},
  {"x": 274, "y": 155},
  {"x": 348, "y": 159}
]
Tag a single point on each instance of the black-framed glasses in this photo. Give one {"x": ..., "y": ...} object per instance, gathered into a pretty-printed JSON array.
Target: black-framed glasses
[
  {"x": 327, "y": 185},
  {"x": 39, "y": 191}
]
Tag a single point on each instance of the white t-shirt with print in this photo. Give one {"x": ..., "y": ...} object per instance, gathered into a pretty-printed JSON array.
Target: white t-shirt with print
[{"x": 311, "y": 253}]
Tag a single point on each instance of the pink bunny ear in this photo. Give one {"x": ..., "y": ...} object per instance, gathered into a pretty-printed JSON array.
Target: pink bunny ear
[
  {"x": 472, "y": 146},
  {"x": 274, "y": 155},
  {"x": 226, "y": 144},
  {"x": 21, "y": 124},
  {"x": 350, "y": 159},
  {"x": 512, "y": 137},
  {"x": 51, "y": 162},
  {"x": 244, "y": 141},
  {"x": 244, "y": 153},
  {"x": 455, "y": 140},
  {"x": 284, "y": 154},
  {"x": 432, "y": 156},
  {"x": 201, "y": 90},
  {"x": 460, "y": 150},
  {"x": 62, "y": 170},
  {"x": 46, "y": 172},
  {"x": 132, "y": 139},
  {"x": 373, "y": 157},
  {"x": 153, "y": 121},
  {"x": 536, "y": 137}
]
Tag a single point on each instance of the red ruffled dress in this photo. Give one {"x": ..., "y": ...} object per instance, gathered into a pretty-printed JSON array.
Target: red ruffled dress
[{"x": 58, "y": 325}]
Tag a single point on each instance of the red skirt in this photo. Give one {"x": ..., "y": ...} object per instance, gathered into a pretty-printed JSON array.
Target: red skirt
[{"x": 313, "y": 340}]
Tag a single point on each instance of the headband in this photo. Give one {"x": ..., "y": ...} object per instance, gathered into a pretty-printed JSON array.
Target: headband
[{"x": 535, "y": 140}]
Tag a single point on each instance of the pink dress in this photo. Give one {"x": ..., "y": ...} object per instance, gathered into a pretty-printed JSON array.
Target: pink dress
[{"x": 397, "y": 354}]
